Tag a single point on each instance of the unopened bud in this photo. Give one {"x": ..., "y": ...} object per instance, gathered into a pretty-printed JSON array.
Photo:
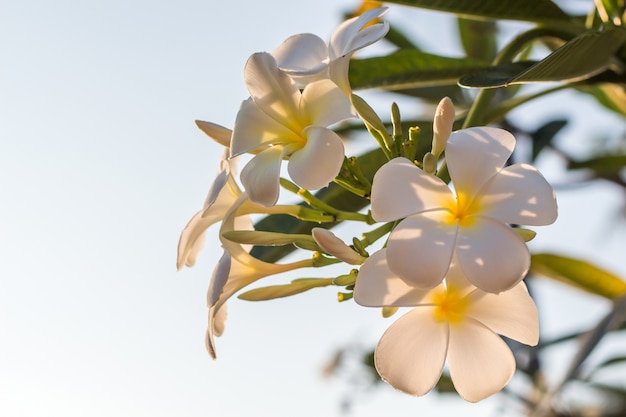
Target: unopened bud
[{"x": 442, "y": 126}]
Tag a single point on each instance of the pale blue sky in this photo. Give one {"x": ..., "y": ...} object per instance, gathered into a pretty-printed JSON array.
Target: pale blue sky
[{"x": 101, "y": 167}]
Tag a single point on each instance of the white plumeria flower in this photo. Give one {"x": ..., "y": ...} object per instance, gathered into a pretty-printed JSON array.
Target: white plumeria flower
[
  {"x": 454, "y": 322},
  {"x": 237, "y": 269},
  {"x": 223, "y": 193},
  {"x": 278, "y": 121},
  {"x": 473, "y": 222},
  {"x": 336, "y": 247},
  {"x": 307, "y": 58}
]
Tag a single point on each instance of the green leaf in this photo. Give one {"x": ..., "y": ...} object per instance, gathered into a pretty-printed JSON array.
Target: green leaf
[
  {"x": 278, "y": 291},
  {"x": 545, "y": 134},
  {"x": 583, "y": 57},
  {"x": 611, "y": 96},
  {"x": 606, "y": 164},
  {"x": 410, "y": 68},
  {"x": 527, "y": 10},
  {"x": 478, "y": 38},
  {"x": 578, "y": 273}
]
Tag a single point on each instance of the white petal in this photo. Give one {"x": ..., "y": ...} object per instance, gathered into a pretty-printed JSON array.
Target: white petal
[
  {"x": 411, "y": 353},
  {"x": 336, "y": 247},
  {"x": 338, "y": 73},
  {"x": 420, "y": 248},
  {"x": 217, "y": 318},
  {"x": 261, "y": 176},
  {"x": 377, "y": 286},
  {"x": 324, "y": 104},
  {"x": 511, "y": 313},
  {"x": 254, "y": 129},
  {"x": 319, "y": 161},
  {"x": 304, "y": 57},
  {"x": 218, "y": 133},
  {"x": 519, "y": 194},
  {"x": 350, "y": 35},
  {"x": 219, "y": 279},
  {"x": 492, "y": 256},
  {"x": 475, "y": 155},
  {"x": 401, "y": 189},
  {"x": 192, "y": 239},
  {"x": 272, "y": 90},
  {"x": 480, "y": 362}
]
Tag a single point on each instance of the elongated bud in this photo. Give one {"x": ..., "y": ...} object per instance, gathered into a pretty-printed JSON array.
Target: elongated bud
[
  {"x": 334, "y": 246},
  {"x": 442, "y": 126}
]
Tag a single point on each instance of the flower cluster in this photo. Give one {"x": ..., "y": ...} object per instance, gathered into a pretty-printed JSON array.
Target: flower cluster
[{"x": 454, "y": 252}]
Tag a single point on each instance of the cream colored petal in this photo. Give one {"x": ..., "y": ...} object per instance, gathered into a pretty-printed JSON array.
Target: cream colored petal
[
  {"x": 218, "y": 133},
  {"x": 192, "y": 238},
  {"x": 261, "y": 176},
  {"x": 336, "y": 247},
  {"x": 351, "y": 35},
  {"x": 304, "y": 57},
  {"x": 255, "y": 130},
  {"x": 420, "y": 249},
  {"x": 400, "y": 189},
  {"x": 272, "y": 90},
  {"x": 519, "y": 194},
  {"x": 377, "y": 286},
  {"x": 324, "y": 104},
  {"x": 480, "y": 362},
  {"x": 338, "y": 73},
  {"x": 217, "y": 319},
  {"x": 511, "y": 313},
  {"x": 456, "y": 279},
  {"x": 492, "y": 256},
  {"x": 475, "y": 155},
  {"x": 319, "y": 161},
  {"x": 219, "y": 278},
  {"x": 411, "y": 353}
]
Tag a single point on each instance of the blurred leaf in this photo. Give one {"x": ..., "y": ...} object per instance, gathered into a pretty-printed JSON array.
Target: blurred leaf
[
  {"x": 528, "y": 10},
  {"x": 388, "y": 311},
  {"x": 497, "y": 76},
  {"x": 278, "y": 291},
  {"x": 606, "y": 164},
  {"x": 579, "y": 273},
  {"x": 409, "y": 68},
  {"x": 478, "y": 38},
  {"x": 545, "y": 134},
  {"x": 525, "y": 234},
  {"x": 611, "y": 96},
  {"x": 618, "y": 360},
  {"x": 399, "y": 39},
  {"x": 583, "y": 57}
]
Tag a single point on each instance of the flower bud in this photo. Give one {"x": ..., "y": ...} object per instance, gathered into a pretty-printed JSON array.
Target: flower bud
[{"x": 442, "y": 126}]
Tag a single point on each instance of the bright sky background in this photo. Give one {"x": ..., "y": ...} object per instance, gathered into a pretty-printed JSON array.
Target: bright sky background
[{"x": 101, "y": 167}]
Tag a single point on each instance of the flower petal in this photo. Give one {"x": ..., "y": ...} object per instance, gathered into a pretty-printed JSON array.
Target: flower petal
[
  {"x": 261, "y": 176},
  {"x": 218, "y": 133},
  {"x": 480, "y": 362},
  {"x": 304, "y": 57},
  {"x": 272, "y": 90},
  {"x": 350, "y": 35},
  {"x": 254, "y": 129},
  {"x": 377, "y": 286},
  {"x": 401, "y": 189},
  {"x": 492, "y": 256},
  {"x": 511, "y": 313},
  {"x": 411, "y": 353},
  {"x": 519, "y": 194},
  {"x": 319, "y": 161},
  {"x": 336, "y": 247},
  {"x": 475, "y": 155},
  {"x": 420, "y": 248},
  {"x": 324, "y": 104}
]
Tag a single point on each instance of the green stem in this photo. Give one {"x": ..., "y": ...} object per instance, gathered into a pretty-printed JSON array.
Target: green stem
[{"x": 373, "y": 235}]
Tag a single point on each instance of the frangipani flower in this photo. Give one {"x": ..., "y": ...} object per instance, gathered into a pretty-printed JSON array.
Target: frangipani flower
[
  {"x": 307, "y": 58},
  {"x": 279, "y": 122},
  {"x": 473, "y": 222},
  {"x": 236, "y": 269},
  {"x": 454, "y": 322}
]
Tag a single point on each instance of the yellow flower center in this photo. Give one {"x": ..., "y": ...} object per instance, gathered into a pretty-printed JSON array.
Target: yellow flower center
[
  {"x": 462, "y": 212},
  {"x": 449, "y": 306}
]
